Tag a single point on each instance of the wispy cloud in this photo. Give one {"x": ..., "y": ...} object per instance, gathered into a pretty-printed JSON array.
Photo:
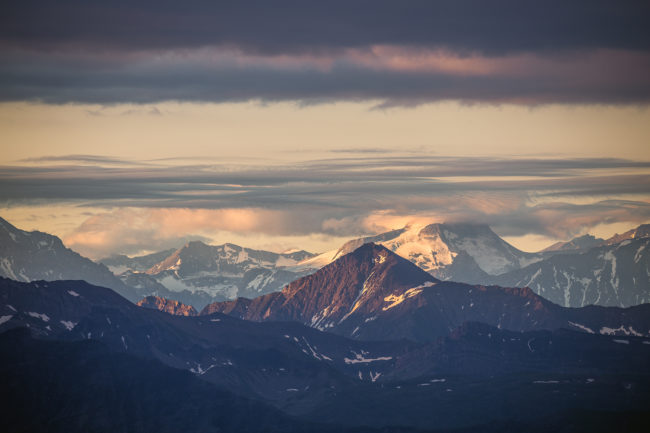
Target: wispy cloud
[
  {"x": 88, "y": 159},
  {"x": 337, "y": 197}
]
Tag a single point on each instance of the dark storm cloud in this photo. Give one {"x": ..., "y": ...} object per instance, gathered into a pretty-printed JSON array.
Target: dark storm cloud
[
  {"x": 144, "y": 51},
  {"x": 492, "y": 27},
  {"x": 59, "y": 81}
]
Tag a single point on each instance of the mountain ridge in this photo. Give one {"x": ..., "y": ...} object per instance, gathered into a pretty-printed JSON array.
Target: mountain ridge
[
  {"x": 435, "y": 248},
  {"x": 326, "y": 378},
  {"x": 30, "y": 256},
  {"x": 372, "y": 293}
]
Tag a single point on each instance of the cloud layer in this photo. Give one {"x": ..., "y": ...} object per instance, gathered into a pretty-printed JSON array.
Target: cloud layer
[
  {"x": 150, "y": 204},
  {"x": 499, "y": 26},
  {"x": 525, "y": 52}
]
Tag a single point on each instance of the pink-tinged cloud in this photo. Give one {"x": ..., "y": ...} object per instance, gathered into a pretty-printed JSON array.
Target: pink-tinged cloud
[
  {"x": 132, "y": 230},
  {"x": 394, "y": 73}
]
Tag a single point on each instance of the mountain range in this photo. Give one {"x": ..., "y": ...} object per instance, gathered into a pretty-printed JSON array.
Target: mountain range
[
  {"x": 368, "y": 341},
  {"x": 583, "y": 271},
  {"x": 310, "y": 375},
  {"x": 580, "y": 272},
  {"x": 199, "y": 273},
  {"x": 608, "y": 274},
  {"x": 458, "y": 252},
  {"x": 372, "y": 293},
  {"x": 195, "y": 274}
]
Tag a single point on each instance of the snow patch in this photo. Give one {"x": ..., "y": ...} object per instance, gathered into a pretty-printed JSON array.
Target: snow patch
[
  {"x": 398, "y": 299},
  {"x": 359, "y": 358},
  {"x": 200, "y": 371},
  {"x": 529, "y": 347},
  {"x": 43, "y": 317},
  {"x": 620, "y": 331},
  {"x": 621, "y": 341},
  {"x": 73, "y": 293},
  {"x": 609, "y": 255},
  {"x": 314, "y": 353},
  {"x": 7, "y": 270},
  {"x": 533, "y": 277},
  {"x": 68, "y": 324},
  {"x": 637, "y": 256},
  {"x": 4, "y": 319},
  {"x": 583, "y": 327}
]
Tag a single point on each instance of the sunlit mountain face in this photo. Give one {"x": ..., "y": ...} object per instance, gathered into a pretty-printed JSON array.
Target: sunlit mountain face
[{"x": 359, "y": 216}]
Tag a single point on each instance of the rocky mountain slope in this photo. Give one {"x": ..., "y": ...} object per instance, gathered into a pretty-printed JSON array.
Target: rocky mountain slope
[
  {"x": 580, "y": 243},
  {"x": 167, "y": 305},
  {"x": 458, "y": 252},
  {"x": 29, "y": 256},
  {"x": 195, "y": 274},
  {"x": 120, "y": 263},
  {"x": 640, "y": 232},
  {"x": 372, "y": 293},
  {"x": 198, "y": 273},
  {"x": 583, "y": 271},
  {"x": 613, "y": 274}
]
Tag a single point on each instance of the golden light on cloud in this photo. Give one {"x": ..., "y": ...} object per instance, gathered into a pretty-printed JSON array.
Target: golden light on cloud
[{"x": 328, "y": 142}]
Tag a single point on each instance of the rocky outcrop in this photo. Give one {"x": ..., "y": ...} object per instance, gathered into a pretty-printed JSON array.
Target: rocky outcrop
[{"x": 167, "y": 305}]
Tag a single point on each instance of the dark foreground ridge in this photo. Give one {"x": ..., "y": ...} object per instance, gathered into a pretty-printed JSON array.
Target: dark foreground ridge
[{"x": 476, "y": 375}]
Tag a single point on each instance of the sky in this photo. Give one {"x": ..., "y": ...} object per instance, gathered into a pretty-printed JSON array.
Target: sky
[{"x": 134, "y": 126}]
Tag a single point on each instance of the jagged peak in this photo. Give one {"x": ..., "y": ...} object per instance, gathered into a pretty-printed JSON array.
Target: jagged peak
[
  {"x": 642, "y": 231},
  {"x": 195, "y": 244},
  {"x": 369, "y": 261},
  {"x": 584, "y": 241}
]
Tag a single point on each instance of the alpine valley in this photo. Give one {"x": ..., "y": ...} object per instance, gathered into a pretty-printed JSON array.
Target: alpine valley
[{"x": 437, "y": 328}]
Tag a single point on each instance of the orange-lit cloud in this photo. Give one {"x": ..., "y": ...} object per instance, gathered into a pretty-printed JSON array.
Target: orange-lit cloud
[{"x": 132, "y": 229}]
